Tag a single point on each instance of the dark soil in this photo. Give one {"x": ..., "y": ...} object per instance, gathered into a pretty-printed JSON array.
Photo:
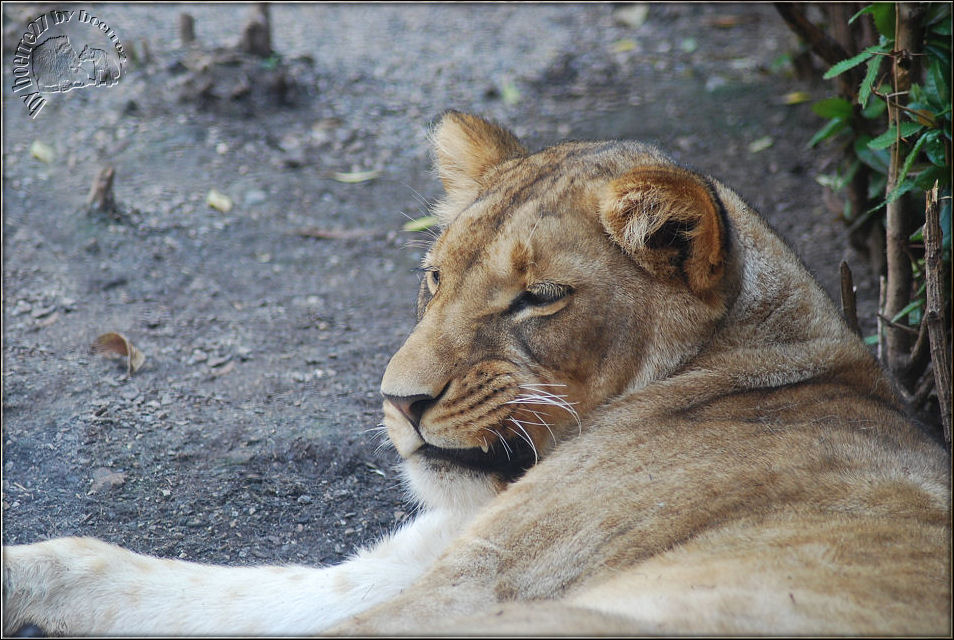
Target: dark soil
[{"x": 247, "y": 436}]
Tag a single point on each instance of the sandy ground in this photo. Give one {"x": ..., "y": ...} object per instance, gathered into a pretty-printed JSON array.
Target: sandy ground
[{"x": 247, "y": 436}]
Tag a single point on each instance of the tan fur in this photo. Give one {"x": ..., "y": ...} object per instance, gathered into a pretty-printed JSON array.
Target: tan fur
[{"x": 685, "y": 437}]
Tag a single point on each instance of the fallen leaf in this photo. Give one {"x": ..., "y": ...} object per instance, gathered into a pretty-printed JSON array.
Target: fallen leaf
[
  {"x": 42, "y": 311},
  {"x": 117, "y": 345},
  {"x": 509, "y": 93},
  {"x": 48, "y": 320},
  {"x": 420, "y": 224},
  {"x": 761, "y": 144},
  {"x": 624, "y": 45},
  {"x": 42, "y": 152},
  {"x": 353, "y": 177},
  {"x": 104, "y": 478},
  {"x": 223, "y": 370},
  {"x": 729, "y": 21},
  {"x": 219, "y": 361},
  {"x": 632, "y": 15},
  {"x": 218, "y": 200},
  {"x": 333, "y": 234},
  {"x": 796, "y": 97}
]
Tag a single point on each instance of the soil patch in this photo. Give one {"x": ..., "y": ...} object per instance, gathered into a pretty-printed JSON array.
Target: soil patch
[{"x": 249, "y": 434}]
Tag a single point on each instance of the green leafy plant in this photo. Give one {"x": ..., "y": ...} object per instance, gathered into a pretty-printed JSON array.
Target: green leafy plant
[
  {"x": 924, "y": 131},
  {"x": 892, "y": 124}
]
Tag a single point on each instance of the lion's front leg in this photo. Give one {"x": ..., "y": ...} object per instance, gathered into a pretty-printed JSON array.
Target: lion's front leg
[
  {"x": 71, "y": 585},
  {"x": 77, "y": 586}
]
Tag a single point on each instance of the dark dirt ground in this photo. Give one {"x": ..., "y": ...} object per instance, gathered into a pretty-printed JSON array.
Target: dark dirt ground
[{"x": 245, "y": 436}]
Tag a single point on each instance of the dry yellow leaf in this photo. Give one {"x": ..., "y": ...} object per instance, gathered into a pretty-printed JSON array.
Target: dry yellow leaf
[
  {"x": 796, "y": 97},
  {"x": 761, "y": 144},
  {"x": 632, "y": 15},
  {"x": 218, "y": 200},
  {"x": 114, "y": 344},
  {"x": 624, "y": 45},
  {"x": 353, "y": 177},
  {"x": 420, "y": 224},
  {"x": 42, "y": 152}
]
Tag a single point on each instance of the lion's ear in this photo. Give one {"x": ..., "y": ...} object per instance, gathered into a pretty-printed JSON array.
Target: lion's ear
[
  {"x": 671, "y": 222},
  {"x": 466, "y": 147}
]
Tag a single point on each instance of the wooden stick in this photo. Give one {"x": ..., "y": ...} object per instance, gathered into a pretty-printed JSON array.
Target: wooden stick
[
  {"x": 881, "y": 289},
  {"x": 100, "y": 196},
  {"x": 848, "y": 301},
  {"x": 186, "y": 29},
  {"x": 937, "y": 327},
  {"x": 257, "y": 36},
  {"x": 821, "y": 43},
  {"x": 898, "y": 216}
]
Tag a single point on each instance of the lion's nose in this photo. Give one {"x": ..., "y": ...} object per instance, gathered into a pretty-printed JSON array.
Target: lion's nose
[{"x": 411, "y": 407}]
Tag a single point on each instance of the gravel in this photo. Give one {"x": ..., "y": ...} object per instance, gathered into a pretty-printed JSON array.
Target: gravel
[{"x": 249, "y": 433}]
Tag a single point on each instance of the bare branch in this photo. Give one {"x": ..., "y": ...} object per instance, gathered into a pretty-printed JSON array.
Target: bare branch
[
  {"x": 257, "y": 35},
  {"x": 821, "y": 44},
  {"x": 100, "y": 197},
  {"x": 882, "y": 285},
  {"x": 934, "y": 316},
  {"x": 848, "y": 303},
  {"x": 186, "y": 29},
  {"x": 898, "y": 218}
]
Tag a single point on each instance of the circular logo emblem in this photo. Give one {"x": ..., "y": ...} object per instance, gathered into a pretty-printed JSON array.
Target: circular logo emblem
[{"x": 65, "y": 50}]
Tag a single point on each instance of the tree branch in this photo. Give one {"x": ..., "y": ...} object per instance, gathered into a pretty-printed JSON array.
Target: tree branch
[
  {"x": 821, "y": 44},
  {"x": 848, "y": 301},
  {"x": 897, "y": 214},
  {"x": 934, "y": 316},
  {"x": 100, "y": 197}
]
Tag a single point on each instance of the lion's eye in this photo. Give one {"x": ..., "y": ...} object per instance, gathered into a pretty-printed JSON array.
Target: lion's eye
[
  {"x": 540, "y": 295},
  {"x": 433, "y": 280}
]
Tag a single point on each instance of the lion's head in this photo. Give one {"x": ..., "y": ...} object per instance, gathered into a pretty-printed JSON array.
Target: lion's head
[{"x": 560, "y": 280}]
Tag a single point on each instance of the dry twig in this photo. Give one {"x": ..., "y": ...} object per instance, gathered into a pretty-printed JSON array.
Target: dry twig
[
  {"x": 848, "y": 302},
  {"x": 898, "y": 218},
  {"x": 257, "y": 35},
  {"x": 100, "y": 196},
  {"x": 934, "y": 311},
  {"x": 186, "y": 29}
]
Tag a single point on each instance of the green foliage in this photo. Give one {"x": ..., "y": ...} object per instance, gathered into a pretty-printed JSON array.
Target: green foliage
[{"x": 923, "y": 132}]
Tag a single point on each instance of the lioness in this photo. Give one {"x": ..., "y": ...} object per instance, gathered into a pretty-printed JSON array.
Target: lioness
[{"x": 626, "y": 408}]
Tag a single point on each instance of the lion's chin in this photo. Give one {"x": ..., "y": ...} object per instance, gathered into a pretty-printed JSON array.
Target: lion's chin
[
  {"x": 438, "y": 483},
  {"x": 507, "y": 460}
]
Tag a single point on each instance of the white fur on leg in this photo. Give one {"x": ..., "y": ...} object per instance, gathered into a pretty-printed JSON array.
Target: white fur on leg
[{"x": 84, "y": 586}]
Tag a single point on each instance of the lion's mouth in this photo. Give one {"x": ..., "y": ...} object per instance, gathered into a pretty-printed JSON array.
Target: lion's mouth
[{"x": 509, "y": 459}]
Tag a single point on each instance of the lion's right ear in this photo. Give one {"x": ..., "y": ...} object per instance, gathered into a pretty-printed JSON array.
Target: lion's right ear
[
  {"x": 671, "y": 222},
  {"x": 466, "y": 147}
]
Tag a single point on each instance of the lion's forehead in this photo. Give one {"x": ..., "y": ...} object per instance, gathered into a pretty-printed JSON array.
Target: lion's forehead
[
  {"x": 531, "y": 207},
  {"x": 529, "y": 246}
]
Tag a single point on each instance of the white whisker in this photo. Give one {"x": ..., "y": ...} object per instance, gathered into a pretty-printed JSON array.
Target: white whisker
[
  {"x": 541, "y": 396},
  {"x": 526, "y": 437},
  {"x": 502, "y": 440},
  {"x": 376, "y": 428},
  {"x": 541, "y": 423}
]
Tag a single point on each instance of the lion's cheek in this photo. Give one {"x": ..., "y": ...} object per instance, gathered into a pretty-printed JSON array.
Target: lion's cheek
[{"x": 592, "y": 354}]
